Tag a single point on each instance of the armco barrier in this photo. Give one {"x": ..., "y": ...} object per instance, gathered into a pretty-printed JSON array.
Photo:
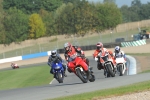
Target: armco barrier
[
  {"x": 11, "y": 59},
  {"x": 133, "y": 43},
  {"x": 25, "y": 57},
  {"x": 92, "y": 47},
  {"x": 36, "y": 55}
]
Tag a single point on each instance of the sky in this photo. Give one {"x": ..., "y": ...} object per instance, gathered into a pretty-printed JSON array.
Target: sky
[{"x": 122, "y": 2}]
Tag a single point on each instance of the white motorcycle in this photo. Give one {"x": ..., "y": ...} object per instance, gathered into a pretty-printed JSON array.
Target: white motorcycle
[{"x": 121, "y": 66}]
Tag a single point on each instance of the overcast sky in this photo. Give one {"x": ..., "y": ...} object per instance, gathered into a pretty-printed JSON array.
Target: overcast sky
[{"x": 122, "y": 2}]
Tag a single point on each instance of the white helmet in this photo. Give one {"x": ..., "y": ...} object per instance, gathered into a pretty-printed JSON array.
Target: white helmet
[{"x": 117, "y": 49}]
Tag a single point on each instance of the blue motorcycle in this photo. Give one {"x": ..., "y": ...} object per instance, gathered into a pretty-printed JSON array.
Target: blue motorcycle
[{"x": 58, "y": 71}]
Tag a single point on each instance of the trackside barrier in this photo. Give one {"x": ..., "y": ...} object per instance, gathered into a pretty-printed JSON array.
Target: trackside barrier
[
  {"x": 25, "y": 57},
  {"x": 35, "y": 55},
  {"x": 42, "y": 54},
  {"x": 133, "y": 43},
  {"x": 11, "y": 59},
  {"x": 132, "y": 65}
]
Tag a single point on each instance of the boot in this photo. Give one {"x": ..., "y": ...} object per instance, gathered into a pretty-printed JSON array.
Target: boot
[
  {"x": 105, "y": 73},
  {"x": 65, "y": 74},
  {"x": 88, "y": 74},
  {"x": 51, "y": 71},
  {"x": 69, "y": 70},
  {"x": 90, "y": 68}
]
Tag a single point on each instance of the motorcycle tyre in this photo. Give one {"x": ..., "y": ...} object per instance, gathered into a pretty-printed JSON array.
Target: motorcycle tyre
[
  {"x": 59, "y": 77},
  {"x": 110, "y": 71},
  {"x": 79, "y": 73},
  {"x": 120, "y": 70},
  {"x": 92, "y": 79}
]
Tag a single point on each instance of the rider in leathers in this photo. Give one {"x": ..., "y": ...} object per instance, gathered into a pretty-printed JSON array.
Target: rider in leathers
[
  {"x": 71, "y": 52},
  {"x": 53, "y": 57},
  {"x": 99, "y": 49},
  {"x": 119, "y": 53}
]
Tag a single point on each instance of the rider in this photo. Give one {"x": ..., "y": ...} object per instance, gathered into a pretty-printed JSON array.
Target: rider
[
  {"x": 71, "y": 51},
  {"x": 99, "y": 49},
  {"x": 53, "y": 57},
  {"x": 119, "y": 53},
  {"x": 14, "y": 65}
]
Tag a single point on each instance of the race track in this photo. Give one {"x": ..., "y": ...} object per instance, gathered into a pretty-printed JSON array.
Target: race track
[{"x": 72, "y": 85}]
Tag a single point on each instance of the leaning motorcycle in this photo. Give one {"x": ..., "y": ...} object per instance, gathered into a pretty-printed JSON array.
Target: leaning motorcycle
[
  {"x": 75, "y": 66},
  {"x": 120, "y": 64},
  {"x": 107, "y": 62},
  {"x": 14, "y": 67},
  {"x": 58, "y": 71}
]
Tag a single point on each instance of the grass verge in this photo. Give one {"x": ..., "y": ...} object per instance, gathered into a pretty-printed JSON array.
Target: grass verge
[
  {"x": 97, "y": 95},
  {"x": 25, "y": 77},
  {"x": 138, "y": 54}
]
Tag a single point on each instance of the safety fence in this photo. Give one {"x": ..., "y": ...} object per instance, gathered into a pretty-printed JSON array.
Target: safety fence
[
  {"x": 42, "y": 54},
  {"x": 133, "y": 43},
  {"x": 25, "y": 57},
  {"x": 85, "y": 48}
]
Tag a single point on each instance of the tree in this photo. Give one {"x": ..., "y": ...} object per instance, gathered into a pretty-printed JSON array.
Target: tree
[
  {"x": 37, "y": 28},
  {"x": 136, "y": 3},
  {"x": 15, "y": 26},
  {"x": 32, "y": 6},
  {"x": 108, "y": 16},
  {"x": 109, "y": 1},
  {"x": 49, "y": 21}
]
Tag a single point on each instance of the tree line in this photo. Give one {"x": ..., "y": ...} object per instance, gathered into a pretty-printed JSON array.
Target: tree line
[{"x": 31, "y": 19}]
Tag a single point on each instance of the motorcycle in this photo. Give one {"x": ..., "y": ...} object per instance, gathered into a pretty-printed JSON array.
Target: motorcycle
[
  {"x": 75, "y": 66},
  {"x": 14, "y": 66},
  {"x": 58, "y": 71},
  {"x": 107, "y": 63},
  {"x": 120, "y": 64}
]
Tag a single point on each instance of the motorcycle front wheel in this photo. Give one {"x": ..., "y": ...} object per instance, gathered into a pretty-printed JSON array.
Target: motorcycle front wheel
[
  {"x": 110, "y": 71},
  {"x": 81, "y": 75},
  {"x": 59, "y": 77}
]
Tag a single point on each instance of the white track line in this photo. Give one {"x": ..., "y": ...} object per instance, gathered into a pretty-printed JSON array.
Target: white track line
[{"x": 52, "y": 81}]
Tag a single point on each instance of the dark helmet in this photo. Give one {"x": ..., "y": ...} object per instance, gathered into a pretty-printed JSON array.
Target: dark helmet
[
  {"x": 117, "y": 49},
  {"x": 53, "y": 53},
  {"x": 99, "y": 46},
  {"x": 67, "y": 46}
]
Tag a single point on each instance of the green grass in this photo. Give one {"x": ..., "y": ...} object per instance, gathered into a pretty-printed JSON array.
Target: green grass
[
  {"x": 25, "y": 77},
  {"x": 147, "y": 71},
  {"x": 51, "y": 45},
  {"x": 138, "y": 54},
  {"x": 138, "y": 87}
]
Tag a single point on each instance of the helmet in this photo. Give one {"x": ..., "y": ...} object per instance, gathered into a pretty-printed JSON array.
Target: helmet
[
  {"x": 99, "y": 46},
  {"x": 117, "y": 49},
  {"x": 67, "y": 46},
  {"x": 53, "y": 53}
]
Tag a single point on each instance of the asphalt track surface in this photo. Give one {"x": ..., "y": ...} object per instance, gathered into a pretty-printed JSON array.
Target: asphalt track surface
[{"x": 72, "y": 85}]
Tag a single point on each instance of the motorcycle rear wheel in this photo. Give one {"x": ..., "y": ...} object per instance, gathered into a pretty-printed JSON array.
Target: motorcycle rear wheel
[{"x": 92, "y": 79}]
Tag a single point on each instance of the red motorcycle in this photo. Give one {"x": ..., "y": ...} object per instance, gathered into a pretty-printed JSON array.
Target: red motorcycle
[
  {"x": 76, "y": 67},
  {"x": 14, "y": 66}
]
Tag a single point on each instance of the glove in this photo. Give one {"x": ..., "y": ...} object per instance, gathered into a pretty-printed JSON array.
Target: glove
[{"x": 96, "y": 59}]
